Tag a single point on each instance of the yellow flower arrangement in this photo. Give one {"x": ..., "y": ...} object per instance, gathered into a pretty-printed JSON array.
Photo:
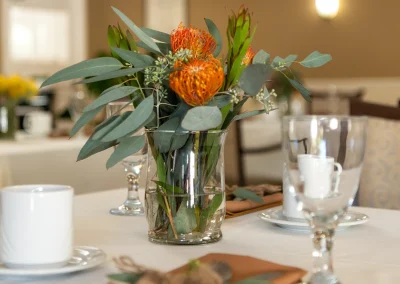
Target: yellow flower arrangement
[{"x": 17, "y": 87}]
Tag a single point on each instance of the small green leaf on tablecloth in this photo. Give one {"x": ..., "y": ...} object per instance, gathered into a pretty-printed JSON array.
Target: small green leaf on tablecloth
[{"x": 244, "y": 193}]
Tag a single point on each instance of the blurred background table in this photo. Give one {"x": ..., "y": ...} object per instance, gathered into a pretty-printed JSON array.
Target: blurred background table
[{"x": 53, "y": 161}]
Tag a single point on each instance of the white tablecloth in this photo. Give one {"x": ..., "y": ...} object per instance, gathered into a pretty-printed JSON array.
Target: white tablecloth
[
  {"x": 53, "y": 161},
  {"x": 364, "y": 254}
]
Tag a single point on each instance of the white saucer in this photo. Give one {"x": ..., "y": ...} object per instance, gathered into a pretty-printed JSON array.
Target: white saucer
[
  {"x": 275, "y": 216},
  {"x": 83, "y": 258}
]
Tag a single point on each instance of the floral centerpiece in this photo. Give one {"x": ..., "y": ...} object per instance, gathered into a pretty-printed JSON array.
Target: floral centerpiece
[
  {"x": 12, "y": 89},
  {"x": 185, "y": 94}
]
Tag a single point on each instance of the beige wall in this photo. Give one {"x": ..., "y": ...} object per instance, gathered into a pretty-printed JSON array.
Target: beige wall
[
  {"x": 364, "y": 39},
  {"x": 100, "y": 15}
]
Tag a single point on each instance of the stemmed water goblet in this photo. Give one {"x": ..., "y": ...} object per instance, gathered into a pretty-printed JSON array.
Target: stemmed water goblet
[
  {"x": 132, "y": 166},
  {"x": 324, "y": 157}
]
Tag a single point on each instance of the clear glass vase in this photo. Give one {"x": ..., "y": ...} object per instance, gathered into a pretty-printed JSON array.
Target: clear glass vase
[
  {"x": 8, "y": 119},
  {"x": 185, "y": 190}
]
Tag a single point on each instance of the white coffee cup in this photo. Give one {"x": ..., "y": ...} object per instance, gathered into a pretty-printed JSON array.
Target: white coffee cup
[
  {"x": 318, "y": 175},
  {"x": 38, "y": 123},
  {"x": 36, "y": 226}
]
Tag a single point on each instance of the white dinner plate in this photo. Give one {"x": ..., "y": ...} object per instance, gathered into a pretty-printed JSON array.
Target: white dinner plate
[
  {"x": 83, "y": 258},
  {"x": 275, "y": 216}
]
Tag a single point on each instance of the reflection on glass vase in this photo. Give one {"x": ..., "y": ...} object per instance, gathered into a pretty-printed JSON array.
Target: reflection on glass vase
[
  {"x": 185, "y": 199},
  {"x": 8, "y": 120}
]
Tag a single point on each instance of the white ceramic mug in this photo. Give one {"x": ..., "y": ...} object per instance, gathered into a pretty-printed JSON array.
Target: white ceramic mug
[
  {"x": 318, "y": 175},
  {"x": 38, "y": 123},
  {"x": 36, "y": 226}
]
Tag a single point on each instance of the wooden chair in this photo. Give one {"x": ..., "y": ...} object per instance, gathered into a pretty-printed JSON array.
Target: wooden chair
[
  {"x": 380, "y": 179},
  {"x": 324, "y": 103},
  {"x": 243, "y": 151}
]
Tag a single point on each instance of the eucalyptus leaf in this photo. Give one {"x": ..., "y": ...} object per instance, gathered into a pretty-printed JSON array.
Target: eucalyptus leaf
[
  {"x": 127, "y": 147},
  {"x": 164, "y": 134},
  {"x": 202, "y": 118},
  {"x": 179, "y": 139},
  {"x": 303, "y": 91},
  {"x": 316, "y": 59},
  {"x": 138, "y": 60},
  {"x": 111, "y": 75},
  {"x": 280, "y": 62},
  {"x": 131, "y": 41},
  {"x": 136, "y": 120},
  {"x": 248, "y": 114},
  {"x": 254, "y": 77},
  {"x": 231, "y": 115},
  {"x": 111, "y": 96},
  {"x": 169, "y": 189},
  {"x": 220, "y": 101},
  {"x": 214, "y": 31},
  {"x": 246, "y": 194},
  {"x": 165, "y": 48},
  {"x": 91, "y": 67},
  {"x": 185, "y": 219},
  {"x": 108, "y": 125},
  {"x": 92, "y": 147},
  {"x": 148, "y": 41},
  {"x": 84, "y": 119},
  {"x": 261, "y": 57},
  {"x": 181, "y": 110},
  {"x": 157, "y": 35},
  {"x": 209, "y": 212}
]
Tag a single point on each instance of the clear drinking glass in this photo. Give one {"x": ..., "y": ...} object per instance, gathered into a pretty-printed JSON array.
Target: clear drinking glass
[
  {"x": 132, "y": 167},
  {"x": 324, "y": 157}
]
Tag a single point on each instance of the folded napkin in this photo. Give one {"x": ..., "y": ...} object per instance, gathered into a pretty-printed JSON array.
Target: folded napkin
[
  {"x": 271, "y": 195},
  {"x": 246, "y": 267}
]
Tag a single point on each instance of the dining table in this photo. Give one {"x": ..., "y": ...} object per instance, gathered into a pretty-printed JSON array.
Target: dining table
[{"x": 367, "y": 253}]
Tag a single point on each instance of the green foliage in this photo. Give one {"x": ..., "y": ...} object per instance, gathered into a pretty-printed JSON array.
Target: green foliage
[
  {"x": 136, "y": 120},
  {"x": 146, "y": 40},
  {"x": 303, "y": 91},
  {"x": 214, "y": 31},
  {"x": 169, "y": 189},
  {"x": 244, "y": 193},
  {"x": 92, "y": 147},
  {"x": 210, "y": 211},
  {"x": 202, "y": 118},
  {"x": 261, "y": 57},
  {"x": 316, "y": 59},
  {"x": 136, "y": 59},
  {"x": 91, "y": 67},
  {"x": 185, "y": 219},
  {"x": 127, "y": 147},
  {"x": 163, "y": 37},
  {"x": 248, "y": 114},
  {"x": 111, "y": 75},
  {"x": 254, "y": 77},
  {"x": 168, "y": 139},
  {"x": 84, "y": 119},
  {"x": 113, "y": 95},
  {"x": 108, "y": 125}
]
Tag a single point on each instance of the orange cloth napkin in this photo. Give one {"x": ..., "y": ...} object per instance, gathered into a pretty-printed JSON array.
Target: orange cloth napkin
[
  {"x": 236, "y": 208},
  {"x": 244, "y": 267}
]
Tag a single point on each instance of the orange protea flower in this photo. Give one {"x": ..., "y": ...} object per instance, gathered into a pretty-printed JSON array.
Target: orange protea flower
[
  {"x": 197, "y": 81},
  {"x": 248, "y": 58},
  {"x": 200, "y": 42}
]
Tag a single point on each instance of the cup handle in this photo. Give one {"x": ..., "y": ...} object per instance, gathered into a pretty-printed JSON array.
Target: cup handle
[{"x": 337, "y": 176}]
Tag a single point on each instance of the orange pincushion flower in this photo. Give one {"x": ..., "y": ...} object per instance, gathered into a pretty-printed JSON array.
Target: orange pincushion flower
[
  {"x": 200, "y": 42},
  {"x": 197, "y": 81},
  {"x": 248, "y": 58}
]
